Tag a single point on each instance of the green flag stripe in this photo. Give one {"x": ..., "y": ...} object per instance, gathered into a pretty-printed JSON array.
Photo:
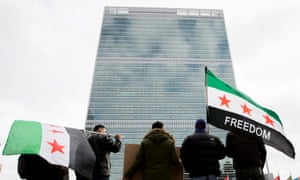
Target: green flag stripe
[
  {"x": 24, "y": 137},
  {"x": 217, "y": 83}
]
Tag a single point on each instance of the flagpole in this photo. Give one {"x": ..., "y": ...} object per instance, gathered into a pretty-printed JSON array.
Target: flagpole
[
  {"x": 205, "y": 82},
  {"x": 93, "y": 132},
  {"x": 267, "y": 166}
]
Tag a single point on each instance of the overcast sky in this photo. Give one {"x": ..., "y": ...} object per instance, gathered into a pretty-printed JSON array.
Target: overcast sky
[{"x": 48, "y": 50}]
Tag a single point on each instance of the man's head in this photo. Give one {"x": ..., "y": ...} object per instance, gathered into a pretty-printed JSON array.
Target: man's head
[
  {"x": 200, "y": 125},
  {"x": 157, "y": 124},
  {"x": 100, "y": 128}
]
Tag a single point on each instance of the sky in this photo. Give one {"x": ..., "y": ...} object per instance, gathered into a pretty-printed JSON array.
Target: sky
[{"x": 48, "y": 50}]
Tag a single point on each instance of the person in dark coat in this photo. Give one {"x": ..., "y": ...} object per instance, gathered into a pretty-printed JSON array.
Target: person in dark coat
[
  {"x": 102, "y": 145},
  {"x": 248, "y": 154},
  {"x": 200, "y": 153},
  {"x": 157, "y": 155},
  {"x": 34, "y": 167}
]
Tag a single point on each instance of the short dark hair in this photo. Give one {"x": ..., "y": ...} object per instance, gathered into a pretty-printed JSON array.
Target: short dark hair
[
  {"x": 157, "y": 124},
  {"x": 98, "y": 127}
]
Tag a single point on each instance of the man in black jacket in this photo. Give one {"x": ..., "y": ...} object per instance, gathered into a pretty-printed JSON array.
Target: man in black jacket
[
  {"x": 200, "y": 153},
  {"x": 103, "y": 144},
  {"x": 248, "y": 155}
]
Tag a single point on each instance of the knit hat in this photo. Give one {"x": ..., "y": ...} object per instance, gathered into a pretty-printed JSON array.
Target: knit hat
[{"x": 200, "y": 125}]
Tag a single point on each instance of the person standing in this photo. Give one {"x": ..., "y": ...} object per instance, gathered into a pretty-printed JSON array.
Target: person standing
[
  {"x": 102, "y": 145},
  {"x": 248, "y": 154},
  {"x": 200, "y": 153},
  {"x": 157, "y": 155}
]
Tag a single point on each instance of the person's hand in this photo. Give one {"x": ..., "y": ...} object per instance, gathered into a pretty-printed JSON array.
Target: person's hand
[{"x": 118, "y": 136}]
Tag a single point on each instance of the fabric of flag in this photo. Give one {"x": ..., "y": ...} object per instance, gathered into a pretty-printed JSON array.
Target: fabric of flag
[
  {"x": 226, "y": 178},
  {"x": 58, "y": 145},
  {"x": 298, "y": 178},
  {"x": 277, "y": 178},
  {"x": 289, "y": 178},
  {"x": 230, "y": 109}
]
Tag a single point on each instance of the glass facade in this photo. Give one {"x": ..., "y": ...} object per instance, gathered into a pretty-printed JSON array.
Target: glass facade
[{"x": 150, "y": 66}]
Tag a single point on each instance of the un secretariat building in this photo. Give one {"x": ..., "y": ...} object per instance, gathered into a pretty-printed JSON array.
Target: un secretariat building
[{"x": 150, "y": 66}]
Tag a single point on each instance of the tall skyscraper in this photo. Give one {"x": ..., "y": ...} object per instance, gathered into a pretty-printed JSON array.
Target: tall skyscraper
[{"x": 150, "y": 67}]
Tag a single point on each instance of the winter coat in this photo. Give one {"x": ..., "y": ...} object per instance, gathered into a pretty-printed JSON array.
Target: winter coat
[
  {"x": 246, "y": 152},
  {"x": 200, "y": 154},
  {"x": 157, "y": 156},
  {"x": 103, "y": 145}
]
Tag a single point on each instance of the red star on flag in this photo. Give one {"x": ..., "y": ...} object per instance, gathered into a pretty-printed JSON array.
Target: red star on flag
[
  {"x": 56, "y": 147},
  {"x": 269, "y": 120},
  {"x": 246, "y": 109},
  {"x": 56, "y": 131},
  {"x": 52, "y": 125},
  {"x": 224, "y": 101}
]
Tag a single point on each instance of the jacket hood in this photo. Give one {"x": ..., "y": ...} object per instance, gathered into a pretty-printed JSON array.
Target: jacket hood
[{"x": 158, "y": 136}]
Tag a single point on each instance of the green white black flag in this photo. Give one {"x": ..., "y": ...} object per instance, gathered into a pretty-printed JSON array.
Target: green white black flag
[
  {"x": 57, "y": 144},
  {"x": 230, "y": 109}
]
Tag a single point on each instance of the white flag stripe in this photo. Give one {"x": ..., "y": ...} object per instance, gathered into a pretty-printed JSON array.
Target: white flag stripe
[
  {"x": 235, "y": 106},
  {"x": 62, "y": 138}
]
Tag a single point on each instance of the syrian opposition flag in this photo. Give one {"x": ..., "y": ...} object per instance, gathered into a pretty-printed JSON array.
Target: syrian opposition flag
[
  {"x": 58, "y": 145},
  {"x": 232, "y": 110}
]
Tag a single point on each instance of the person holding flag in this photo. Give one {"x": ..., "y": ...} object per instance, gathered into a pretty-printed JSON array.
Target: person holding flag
[
  {"x": 102, "y": 145},
  {"x": 49, "y": 144},
  {"x": 34, "y": 167},
  {"x": 248, "y": 154}
]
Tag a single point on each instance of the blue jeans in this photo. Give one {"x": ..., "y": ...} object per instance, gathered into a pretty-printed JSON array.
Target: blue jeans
[{"x": 208, "y": 177}]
